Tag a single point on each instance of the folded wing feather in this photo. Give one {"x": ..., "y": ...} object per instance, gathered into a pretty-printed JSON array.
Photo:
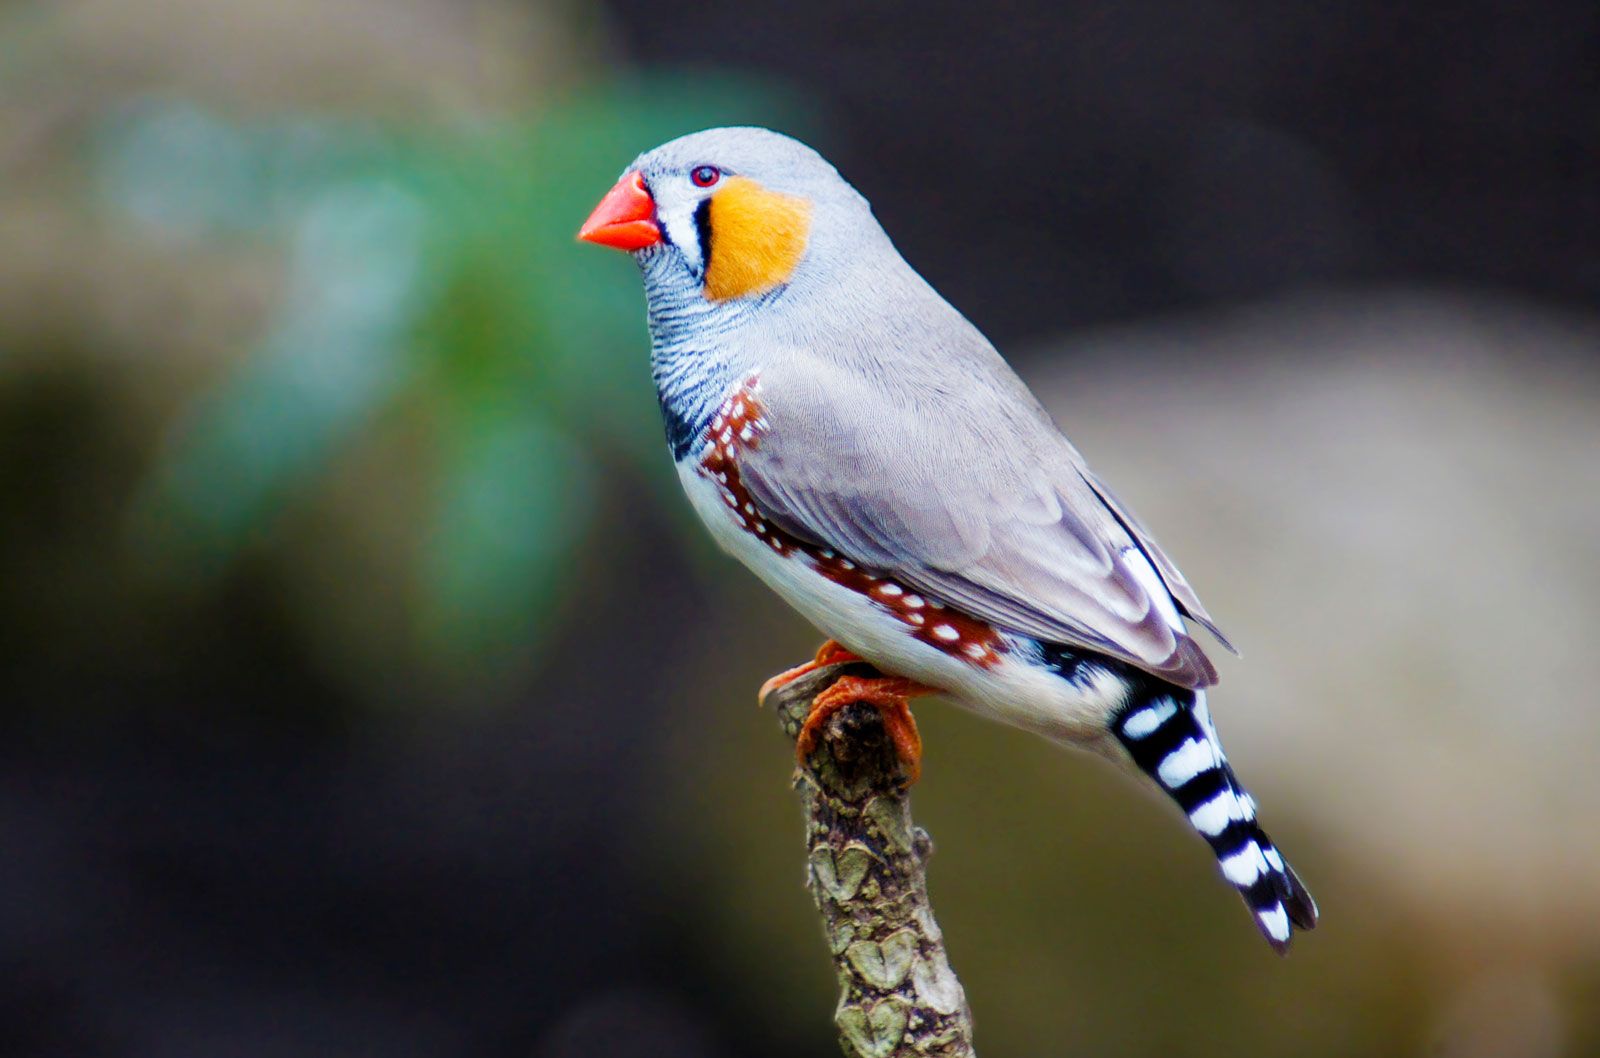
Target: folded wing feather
[{"x": 975, "y": 500}]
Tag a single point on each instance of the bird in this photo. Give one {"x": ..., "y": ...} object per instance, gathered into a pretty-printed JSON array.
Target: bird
[{"x": 850, "y": 437}]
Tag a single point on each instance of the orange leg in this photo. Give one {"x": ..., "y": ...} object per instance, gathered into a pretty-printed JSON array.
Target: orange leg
[
  {"x": 829, "y": 653},
  {"x": 890, "y": 695}
]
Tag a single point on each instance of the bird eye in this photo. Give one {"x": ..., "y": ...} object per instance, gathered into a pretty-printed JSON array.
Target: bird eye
[{"x": 705, "y": 175}]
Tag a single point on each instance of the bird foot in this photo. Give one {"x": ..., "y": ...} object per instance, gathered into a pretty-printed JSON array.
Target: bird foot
[
  {"x": 890, "y": 695},
  {"x": 830, "y": 653}
]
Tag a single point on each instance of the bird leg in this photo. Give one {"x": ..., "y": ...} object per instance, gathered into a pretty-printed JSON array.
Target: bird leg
[
  {"x": 890, "y": 695},
  {"x": 830, "y": 653}
]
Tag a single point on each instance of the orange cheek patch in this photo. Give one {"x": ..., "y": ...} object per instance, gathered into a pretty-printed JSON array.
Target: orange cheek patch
[{"x": 757, "y": 239}]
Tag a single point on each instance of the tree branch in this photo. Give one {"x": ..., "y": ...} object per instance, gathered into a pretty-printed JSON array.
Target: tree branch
[{"x": 866, "y": 869}]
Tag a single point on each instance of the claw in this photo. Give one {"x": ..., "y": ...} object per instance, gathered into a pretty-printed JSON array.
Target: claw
[
  {"x": 890, "y": 695},
  {"x": 830, "y": 653}
]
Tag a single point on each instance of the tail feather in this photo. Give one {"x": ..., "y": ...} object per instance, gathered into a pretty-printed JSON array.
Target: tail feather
[{"x": 1168, "y": 732}]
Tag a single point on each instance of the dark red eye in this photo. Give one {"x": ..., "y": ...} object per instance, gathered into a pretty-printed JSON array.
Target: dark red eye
[{"x": 705, "y": 175}]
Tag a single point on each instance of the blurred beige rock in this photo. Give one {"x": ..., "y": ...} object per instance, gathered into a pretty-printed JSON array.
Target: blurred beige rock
[{"x": 318, "y": 53}]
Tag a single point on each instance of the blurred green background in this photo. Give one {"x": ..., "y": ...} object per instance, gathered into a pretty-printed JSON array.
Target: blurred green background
[{"x": 368, "y": 690}]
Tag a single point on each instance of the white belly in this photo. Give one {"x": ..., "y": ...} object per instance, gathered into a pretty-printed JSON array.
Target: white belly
[{"x": 1013, "y": 691}]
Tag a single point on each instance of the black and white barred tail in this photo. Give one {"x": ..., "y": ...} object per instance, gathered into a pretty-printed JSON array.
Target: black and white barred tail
[{"x": 1168, "y": 732}]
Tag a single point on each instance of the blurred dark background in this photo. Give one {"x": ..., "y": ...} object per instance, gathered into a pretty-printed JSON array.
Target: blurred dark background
[
  {"x": 1056, "y": 164},
  {"x": 367, "y": 689}
]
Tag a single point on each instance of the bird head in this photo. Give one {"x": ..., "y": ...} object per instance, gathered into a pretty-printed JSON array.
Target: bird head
[{"x": 735, "y": 210}]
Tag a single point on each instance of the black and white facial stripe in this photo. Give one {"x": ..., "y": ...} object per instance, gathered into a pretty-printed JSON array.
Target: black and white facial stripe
[
  {"x": 702, "y": 230},
  {"x": 685, "y": 221},
  {"x": 1169, "y": 734}
]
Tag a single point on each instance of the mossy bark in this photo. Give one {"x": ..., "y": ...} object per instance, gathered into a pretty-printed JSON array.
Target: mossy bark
[{"x": 866, "y": 869}]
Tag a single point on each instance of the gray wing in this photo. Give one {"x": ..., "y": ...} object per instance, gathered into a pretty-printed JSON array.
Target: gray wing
[{"x": 971, "y": 496}]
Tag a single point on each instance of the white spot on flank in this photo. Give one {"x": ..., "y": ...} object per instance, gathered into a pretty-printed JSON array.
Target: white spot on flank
[
  {"x": 777, "y": 545},
  {"x": 1244, "y": 866},
  {"x": 1249, "y": 805},
  {"x": 749, "y": 508},
  {"x": 845, "y": 563},
  {"x": 726, "y": 435},
  {"x": 1214, "y": 816},
  {"x": 913, "y": 602},
  {"x": 890, "y": 590},
  {"x": 946, "y": 633},
  {"x": 914, "y": 618},
  {"x": 827, "y": 554},
  {"x": 977, "y": 650},
  {"x": 1273, "y": 858},
  {"x": 1144, "y": 723},
  {"x": 1184, "y": 763},
  {"x": 761, "y": 527},
  {"x": 1275, "y": 921},
  {"x": 745, "y": 434}
]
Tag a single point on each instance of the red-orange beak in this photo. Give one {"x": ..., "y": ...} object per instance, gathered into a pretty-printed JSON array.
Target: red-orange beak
[{"x": 625, "y": 219}]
